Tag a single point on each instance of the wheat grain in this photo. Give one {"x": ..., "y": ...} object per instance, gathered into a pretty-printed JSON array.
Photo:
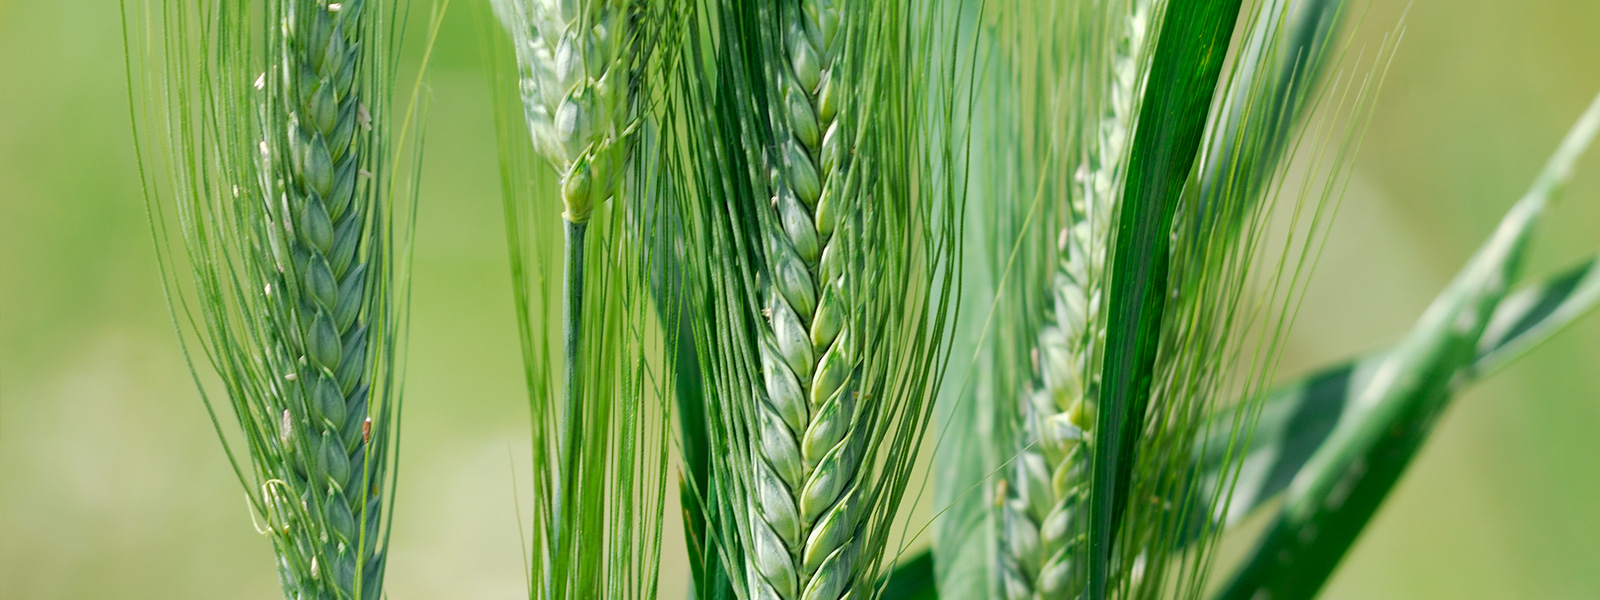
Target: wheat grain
[{"x": 1043, "y": 524}]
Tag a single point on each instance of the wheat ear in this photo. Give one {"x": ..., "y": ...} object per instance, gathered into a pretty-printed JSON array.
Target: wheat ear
[
  {"x": 806, "y": 497},
  {"x": 577, "y": 72},
  {"x": 1043, "y": 520},
  {"x": 321, "y": 229},
  {"x": 818, "y": 228},
  {"x": 297, "y": 286}
]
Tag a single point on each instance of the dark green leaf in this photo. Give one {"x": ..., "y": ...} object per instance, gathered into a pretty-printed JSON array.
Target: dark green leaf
[
  {"x": 1183, "y": 78},
  {"x": 912, "y": 579}
]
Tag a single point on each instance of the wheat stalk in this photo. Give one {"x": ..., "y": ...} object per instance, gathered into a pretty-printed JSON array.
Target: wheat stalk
[
  {"x": 585, "y": 74},
  {"x": 576, "y": 78}
]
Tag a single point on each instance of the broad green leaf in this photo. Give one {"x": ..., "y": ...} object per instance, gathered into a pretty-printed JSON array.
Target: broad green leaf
[
  {"x": 1348, "y": 476},
  {"x": 1299, "y": 416}
]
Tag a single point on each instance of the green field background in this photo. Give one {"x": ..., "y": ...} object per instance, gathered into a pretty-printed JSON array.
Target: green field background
[{"x": 112, "y": 484}]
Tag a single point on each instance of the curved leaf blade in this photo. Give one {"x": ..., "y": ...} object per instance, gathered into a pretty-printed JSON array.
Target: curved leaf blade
[
  {"x": 1183, "y": 78},
  {"x": 1298, "y": 417},
  {"x": 1346, "y": 479}
]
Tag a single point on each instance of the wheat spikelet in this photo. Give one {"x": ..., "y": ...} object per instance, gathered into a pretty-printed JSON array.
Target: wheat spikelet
[{"x": 1043, "y": 521}]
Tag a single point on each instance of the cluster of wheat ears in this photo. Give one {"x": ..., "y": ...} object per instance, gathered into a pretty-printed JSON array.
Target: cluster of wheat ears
[{"x": 1052, "y": 248}]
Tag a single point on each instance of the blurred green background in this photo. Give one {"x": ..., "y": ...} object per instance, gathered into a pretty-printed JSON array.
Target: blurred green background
[{"x": 112, "y": 485}]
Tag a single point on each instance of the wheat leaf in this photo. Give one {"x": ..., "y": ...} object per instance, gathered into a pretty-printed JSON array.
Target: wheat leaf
[
  {"x": 911, "y": 579},
  {"x": 1299, "y": 416},
  {"x": 1343, "y": 483},
  {"x": 1183, "y": 77}
]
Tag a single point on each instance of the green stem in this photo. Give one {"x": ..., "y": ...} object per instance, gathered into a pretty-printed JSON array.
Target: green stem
[{"x": 571, "y": 330}]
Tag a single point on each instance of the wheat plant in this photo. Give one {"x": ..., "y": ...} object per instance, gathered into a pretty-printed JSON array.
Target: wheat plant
[
  {"x": 269, "y": 134},
  {"x": 586, "y": 75},
  {"x": 816, "y": 197},
  {"x": 1133, "y": 177},
  {"x": 1065, "y": 510}
]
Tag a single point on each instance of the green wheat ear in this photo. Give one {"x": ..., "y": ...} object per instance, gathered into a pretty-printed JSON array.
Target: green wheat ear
[
  {"x": 816, "y": 178},
  {"x": 270, "y": 141}
]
